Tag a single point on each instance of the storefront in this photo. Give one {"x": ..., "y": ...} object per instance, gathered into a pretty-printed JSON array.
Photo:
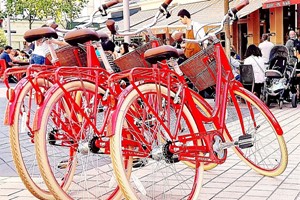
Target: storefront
[{"x": 275, "y": 17}]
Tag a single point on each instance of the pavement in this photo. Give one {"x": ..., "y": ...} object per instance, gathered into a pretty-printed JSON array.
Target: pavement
[{"x": 230, "y": 181}]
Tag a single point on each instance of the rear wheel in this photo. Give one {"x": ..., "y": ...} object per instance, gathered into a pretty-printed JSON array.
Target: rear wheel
[
  {"x": 71, "y": 163},
  {"x": 146, "y": 126},
  {"x": 294, "y": 100},
  {"x": 268, "y": 155}
]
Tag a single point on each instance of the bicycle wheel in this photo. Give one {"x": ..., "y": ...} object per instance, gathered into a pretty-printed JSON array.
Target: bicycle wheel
[
  {"x": 71, "y": 164},
  {"x": 146, "y": 124},
  {"x": 268, "y": 155},
  {"x": 21, "y": 141}
]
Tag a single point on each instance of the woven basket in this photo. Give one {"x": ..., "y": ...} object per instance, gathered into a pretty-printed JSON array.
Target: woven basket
[
  {"x": 67, "y": 56},
  {"x": 135, "y": 58},
  {"x": 201, "y": 68}
]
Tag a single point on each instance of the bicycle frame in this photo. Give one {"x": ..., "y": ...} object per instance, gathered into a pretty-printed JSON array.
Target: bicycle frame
[
  {"x": 225, "y": 85},
  {"x": 95, "y": 75}
]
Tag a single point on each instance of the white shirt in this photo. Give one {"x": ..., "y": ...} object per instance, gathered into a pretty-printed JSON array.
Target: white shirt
[
  {"x": 258, "y": 67},
  {"x": 197, "y": 30},
  {"x": 41, "y": 49},
  {"x": 265, "y": 48}
]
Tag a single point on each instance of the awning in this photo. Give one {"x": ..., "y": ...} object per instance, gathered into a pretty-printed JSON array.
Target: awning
[
  {"x": 279, "y": 3},
  {"x": 205, "y": 12}
]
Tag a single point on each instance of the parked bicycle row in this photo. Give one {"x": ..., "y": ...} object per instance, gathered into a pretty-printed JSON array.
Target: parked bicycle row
[{"x": 133, "y": 129}]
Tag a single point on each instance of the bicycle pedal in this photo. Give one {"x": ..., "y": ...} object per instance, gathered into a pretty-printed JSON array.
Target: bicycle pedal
[
  {"x": 101, "y": 109},
  {"x": 245, "y": 141},
  {"x": 139, "y": 163}
]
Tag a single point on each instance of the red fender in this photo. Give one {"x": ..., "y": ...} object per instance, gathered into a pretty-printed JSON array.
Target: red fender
[{"x": 11, "y": 105}]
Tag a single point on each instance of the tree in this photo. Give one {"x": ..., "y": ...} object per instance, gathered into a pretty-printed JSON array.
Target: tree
[
  {"x": 3, "y": 40},
  {"x": 32, "y": 10}
]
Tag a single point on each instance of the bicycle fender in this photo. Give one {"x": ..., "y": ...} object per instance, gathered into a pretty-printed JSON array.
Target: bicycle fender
[{"x": 11, "y": 105}]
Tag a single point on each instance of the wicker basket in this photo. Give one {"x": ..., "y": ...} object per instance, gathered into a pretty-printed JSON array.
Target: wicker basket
[
  {"x": 67, "y": 56},
  {"x": 201, "y": 68},
  {"x": 134, "y": 58}
]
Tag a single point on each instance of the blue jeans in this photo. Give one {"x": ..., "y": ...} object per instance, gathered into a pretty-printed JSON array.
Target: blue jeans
[{"x": 36, "y": 59}]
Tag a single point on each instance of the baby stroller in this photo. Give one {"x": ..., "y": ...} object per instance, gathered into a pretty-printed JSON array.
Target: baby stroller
[{"x": 280, "y": 78}]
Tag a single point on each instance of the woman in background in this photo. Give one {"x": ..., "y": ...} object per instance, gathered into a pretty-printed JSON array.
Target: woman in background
[{"x": 254, "y": 57}]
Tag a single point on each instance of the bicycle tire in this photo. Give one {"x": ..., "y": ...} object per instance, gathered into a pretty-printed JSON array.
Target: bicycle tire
[
  {"x": 135, "y": 189},
  {"x": 269, "y": 145},
  {"x": 23, "y": 153}
]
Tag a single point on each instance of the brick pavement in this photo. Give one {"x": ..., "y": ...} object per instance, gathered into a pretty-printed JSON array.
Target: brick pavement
[{"x": 232, "y": 180}]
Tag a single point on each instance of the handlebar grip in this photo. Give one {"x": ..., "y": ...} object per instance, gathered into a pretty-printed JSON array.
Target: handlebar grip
[
  {"x": 54, "y": 26},
  {"x": 110, "y": 4},
  {"x": 239, "y": 6},
  {"x": 110, "y": 24},
  {"x": 168, "y": 2}
]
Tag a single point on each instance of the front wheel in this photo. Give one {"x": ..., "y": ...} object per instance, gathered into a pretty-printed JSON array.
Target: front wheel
[
  {"x": 268, "y": 155},
  {"x": 280, "y": 104},
  {"x": 146, "y": 124},
  {"x": 294, "y": 100}
]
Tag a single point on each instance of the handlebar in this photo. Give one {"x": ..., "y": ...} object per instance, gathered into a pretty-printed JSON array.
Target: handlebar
[
  {"x": 162, "y": 10},
  {"x": 102, "y": 9},
  {"x": 164, "y": 6},
  {"x": 231, "y": 14}
]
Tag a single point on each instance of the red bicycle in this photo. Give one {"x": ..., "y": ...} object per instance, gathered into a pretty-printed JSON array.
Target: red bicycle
[
  {"x": 158, "y": 120},
  {"x": 72, "y": 147},
  {"x": 25, "y": 98}
]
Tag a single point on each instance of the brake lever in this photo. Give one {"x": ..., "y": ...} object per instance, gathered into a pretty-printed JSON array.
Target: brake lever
[
  {"x": 232, "y": 15},
  {"x": 164, "y": 11},
  {"x": 102, "y": 11}
]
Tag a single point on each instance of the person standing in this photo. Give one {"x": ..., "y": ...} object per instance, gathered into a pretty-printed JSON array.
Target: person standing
[
  {"x": 291, "y": 44},
  {"x": 193, "y": 31},
  {"x": 265, "y": 46},
  {"x": 254, "y": 57}
]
